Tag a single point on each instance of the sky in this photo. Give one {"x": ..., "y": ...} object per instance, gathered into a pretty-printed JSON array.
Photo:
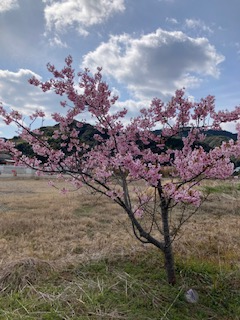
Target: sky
[{"x": 147, "y": 49}]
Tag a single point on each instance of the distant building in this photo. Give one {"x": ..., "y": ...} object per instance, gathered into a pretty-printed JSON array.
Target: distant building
[
  {"x": 236, "y": 171},
  {"x": 5, "y": 158}
]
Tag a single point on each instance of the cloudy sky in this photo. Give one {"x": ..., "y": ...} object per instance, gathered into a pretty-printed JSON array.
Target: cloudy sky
[{"x": 147, "y": 48}]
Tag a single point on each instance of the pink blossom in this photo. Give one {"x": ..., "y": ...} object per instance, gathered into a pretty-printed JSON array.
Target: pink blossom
[
  {"x": 123, "y": 155},
  {"x": 138, "y": 213},
  {"x": 64, "y": 191}
]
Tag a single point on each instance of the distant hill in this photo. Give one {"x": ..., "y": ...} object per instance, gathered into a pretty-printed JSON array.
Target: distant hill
[
  {"x": 87, "y": 131},
  {"x": 213, "y": 139},
  {"x": 86, "y": 134},
  {"x": 222, "y": 133}
]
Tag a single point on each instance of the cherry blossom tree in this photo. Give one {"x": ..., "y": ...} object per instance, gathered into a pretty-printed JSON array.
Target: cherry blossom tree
[{"x": 127, "y": 161}]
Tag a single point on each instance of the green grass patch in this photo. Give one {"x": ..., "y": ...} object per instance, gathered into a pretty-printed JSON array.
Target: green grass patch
[
  {"x": 222, "y": 188},
  {"x": 132, "y": 288}
]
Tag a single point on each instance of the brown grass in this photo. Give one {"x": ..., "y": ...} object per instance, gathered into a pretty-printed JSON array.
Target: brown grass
[
  {"x": 18, "y": 274},
  {"x": 213, "y": 234},
  {"x": 37, "y": 221}
]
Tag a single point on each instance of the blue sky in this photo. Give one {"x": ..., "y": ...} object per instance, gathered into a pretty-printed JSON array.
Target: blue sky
[{"x": 147, "y": 48}]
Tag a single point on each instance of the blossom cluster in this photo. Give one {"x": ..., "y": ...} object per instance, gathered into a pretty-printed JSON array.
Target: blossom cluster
[{"x": 126, "y": 153}]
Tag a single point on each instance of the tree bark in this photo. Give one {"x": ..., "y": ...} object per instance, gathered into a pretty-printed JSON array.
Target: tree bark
[
  {"x": 166, "y": 245},
  {"x": 169, "y": 265},
  {"x": 168, "y": 252}
]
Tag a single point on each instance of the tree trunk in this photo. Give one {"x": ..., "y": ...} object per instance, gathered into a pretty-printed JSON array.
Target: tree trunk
[
  {"x": 168, "y": 253},
  {"x": 145, "y": 237},
  {"x": 169, "y": 265}
]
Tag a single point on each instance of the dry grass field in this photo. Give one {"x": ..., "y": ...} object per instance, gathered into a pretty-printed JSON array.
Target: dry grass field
[
  {"x": 74, "y": 257},
  {"x": 37, "y": 221}
]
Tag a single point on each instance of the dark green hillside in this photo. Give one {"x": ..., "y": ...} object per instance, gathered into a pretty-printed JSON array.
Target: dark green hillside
[
  {"x": 222, "y": 133},
  {"x": 86, "y": 134}
]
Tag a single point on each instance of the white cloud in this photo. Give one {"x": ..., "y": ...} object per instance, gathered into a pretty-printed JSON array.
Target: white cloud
[
  {"x": 115, "y": 92},
  {"x": 156, "y": 64},
  {"x": 237, "y": 46},
  {"x": 230, "y": 126},
  {"x": 17, "y": 93},
  {"x": 80, "y": 13},
  {"x": 197, "y": 25},
  {"x": 132, "y": 106},
  {"x": 56, "y": 41},
  {"x": 133, "y": 109},
  {"x": 172, "y": 20},
  {"x": 82, "y": 32},
  {"x": 6, "y": 5}
]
